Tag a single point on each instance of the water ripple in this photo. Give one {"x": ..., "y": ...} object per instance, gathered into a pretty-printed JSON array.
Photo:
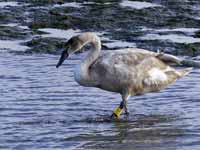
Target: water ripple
[{"x": 42, "y": 107}]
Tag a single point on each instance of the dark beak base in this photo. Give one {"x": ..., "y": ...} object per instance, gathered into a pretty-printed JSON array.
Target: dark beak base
[{"x": 63, "y": 56}]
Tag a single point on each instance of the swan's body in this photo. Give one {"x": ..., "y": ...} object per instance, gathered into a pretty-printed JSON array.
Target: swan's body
[
  {"x": 127, "y": 71},
  {"x": 135, "y": 70}
]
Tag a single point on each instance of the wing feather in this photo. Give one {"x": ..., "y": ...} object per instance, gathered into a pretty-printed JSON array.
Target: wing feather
[{"x": 137, "y": 69}]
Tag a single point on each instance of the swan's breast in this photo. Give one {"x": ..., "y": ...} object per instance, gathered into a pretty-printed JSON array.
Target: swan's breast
[
  {"x": 77, "y": 74},
  {"x": 82, "y": 76}
]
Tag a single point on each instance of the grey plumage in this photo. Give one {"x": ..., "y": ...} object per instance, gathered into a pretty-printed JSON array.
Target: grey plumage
[{"x": 129, "y": 71}]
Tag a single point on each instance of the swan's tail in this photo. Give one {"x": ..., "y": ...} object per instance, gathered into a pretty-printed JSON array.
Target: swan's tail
[
  {"x": 184, "y": 72},
  {"x": 190, "y": 63}
]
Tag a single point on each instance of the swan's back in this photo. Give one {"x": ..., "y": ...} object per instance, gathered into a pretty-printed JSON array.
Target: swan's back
[{"x": 136, "y": 70}]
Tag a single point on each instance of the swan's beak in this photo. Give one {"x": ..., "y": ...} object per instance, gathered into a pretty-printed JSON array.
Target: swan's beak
[{"x": 63, "y": 56}]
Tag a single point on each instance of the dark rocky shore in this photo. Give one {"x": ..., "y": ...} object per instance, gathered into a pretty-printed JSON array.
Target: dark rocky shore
[{"x": 172, "y": 27}]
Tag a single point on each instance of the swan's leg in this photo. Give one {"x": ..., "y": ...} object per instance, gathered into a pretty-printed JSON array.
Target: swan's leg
[
  {"x": 125, "y": 98},
  {"x": 122, "y": 105},
  {"x": 118, "y": 111}
]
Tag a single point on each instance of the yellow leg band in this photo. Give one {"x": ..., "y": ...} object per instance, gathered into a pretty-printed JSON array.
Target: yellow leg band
[{"x": 118, "y": 112}]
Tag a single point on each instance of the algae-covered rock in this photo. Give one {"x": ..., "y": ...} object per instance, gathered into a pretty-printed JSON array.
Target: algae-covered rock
[
  {"x": 118, "y": 22},
  {"x": 191, "y": 50},
  {"x": 10, "y": 33},
  {"x": 45, "y": 45},
  {"x": 197, "y": 34}
]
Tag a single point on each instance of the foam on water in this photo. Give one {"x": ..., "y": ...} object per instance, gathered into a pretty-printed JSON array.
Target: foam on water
[
  {"x": 12, "y": 45},
  {"x": 108, "y": 42},
  {"x": 137, "y": 4},
  {"x": 5, "y": 4},
  {"x": 72, "y": 4},
  {"x": 58, "y": 33},
  {"x": 190, "y": 30},
  {"x": 15, "y": 25},
  {"x": 184, "y": 30},
  {"x": 119, "y": 44},
  {"x": 171, "y": 37}
]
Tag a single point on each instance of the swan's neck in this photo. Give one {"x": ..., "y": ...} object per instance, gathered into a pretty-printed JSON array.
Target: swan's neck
[{"x": 82, "y": 73}]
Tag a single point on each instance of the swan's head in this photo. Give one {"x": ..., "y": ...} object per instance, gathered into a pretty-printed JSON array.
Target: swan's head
[
  {"x": 77, "y": 42},
  {"x": 73, "y": 45}
]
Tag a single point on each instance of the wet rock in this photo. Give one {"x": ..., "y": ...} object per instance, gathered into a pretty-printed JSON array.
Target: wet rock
[
  {"x": 197, "y": 34},
  {"x": 11, "y": 33},
  {"x": 45, "y": 45},
  {"x": 119, "y": 23},
  {"x": 42, "y": 2},
  {"x": 192, "y": 50}
]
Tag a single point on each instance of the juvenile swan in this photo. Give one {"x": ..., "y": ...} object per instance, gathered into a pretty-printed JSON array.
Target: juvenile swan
[{"x": 129, "y": 71}]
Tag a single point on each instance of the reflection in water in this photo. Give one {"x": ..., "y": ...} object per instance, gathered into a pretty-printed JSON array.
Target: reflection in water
[{"x": 133, "y": 133}]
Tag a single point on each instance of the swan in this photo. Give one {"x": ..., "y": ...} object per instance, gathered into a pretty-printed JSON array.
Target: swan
[{"x": 129, "y": 71}]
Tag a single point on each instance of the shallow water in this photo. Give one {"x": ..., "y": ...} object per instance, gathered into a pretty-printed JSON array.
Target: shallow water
[{"x": 42, "y": 107}]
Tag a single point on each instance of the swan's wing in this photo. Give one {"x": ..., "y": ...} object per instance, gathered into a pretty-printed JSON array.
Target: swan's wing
[
  {"x": 118, "y": 67},
  {"x": 112, "y": 61},
  {"x": 159, "y": 75},
  {"x": 155, "y": 75},
  {"x": 139, "y": 69},
  {"x": 136, "y": 55},
  {"x": 166, "y": 58}
]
